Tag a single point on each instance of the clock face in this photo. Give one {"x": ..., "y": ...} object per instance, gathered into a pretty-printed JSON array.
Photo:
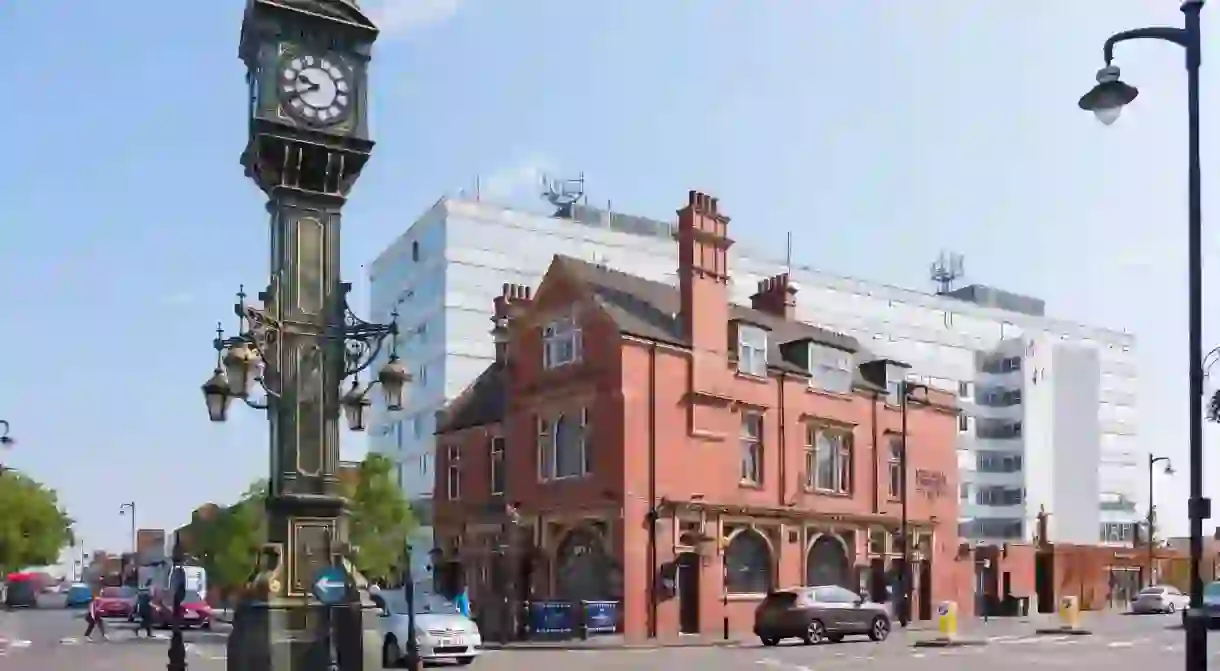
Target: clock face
[{"x": 316, "y": 90}]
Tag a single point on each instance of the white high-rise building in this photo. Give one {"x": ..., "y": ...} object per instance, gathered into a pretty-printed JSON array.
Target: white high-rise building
[{"x": 1048, "y": 405}]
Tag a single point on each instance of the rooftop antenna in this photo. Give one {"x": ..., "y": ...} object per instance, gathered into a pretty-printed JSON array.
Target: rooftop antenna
[
  {"x": 788, "y": 255},
  {"x": 563, "y": 194},
  {"x": 948, "y": 268}
]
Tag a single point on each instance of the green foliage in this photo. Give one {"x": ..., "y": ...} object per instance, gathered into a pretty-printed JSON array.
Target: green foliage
[
  {"x": 227, "y": 544},
  {"x": 381, "y": 519},
  {"x": 33, "y": 527}
]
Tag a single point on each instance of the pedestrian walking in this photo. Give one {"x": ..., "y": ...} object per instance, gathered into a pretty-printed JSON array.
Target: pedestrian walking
[
  {"x": 93, "y": 620},
  {"x": 463, "y": 600},
  {"x": 144, "y": 610}
]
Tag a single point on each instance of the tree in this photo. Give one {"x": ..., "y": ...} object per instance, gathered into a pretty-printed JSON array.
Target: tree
[
  {"x": 381, "y": 519},
  {"x": 1213, "y": 407},
  {"x": 33, "y": 527},
  {"x": 228, "y": 542}
]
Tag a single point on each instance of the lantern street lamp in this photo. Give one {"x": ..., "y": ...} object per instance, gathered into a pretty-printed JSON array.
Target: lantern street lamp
[
  {"x": 1106, "y": 101},
  {"x": 242, "y": 361},
  {"x": 5, "y": 439}
]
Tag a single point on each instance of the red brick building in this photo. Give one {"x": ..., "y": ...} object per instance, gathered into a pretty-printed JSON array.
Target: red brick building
[{"x": 660, "y": 445}]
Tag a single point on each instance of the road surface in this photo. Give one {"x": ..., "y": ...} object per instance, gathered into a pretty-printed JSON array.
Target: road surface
[{"x": 50, "y": 640}]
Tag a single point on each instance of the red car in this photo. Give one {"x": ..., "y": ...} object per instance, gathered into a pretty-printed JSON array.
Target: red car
[
  {"x": 117, "y": 602},
  {"x": 195, "y": 611}
]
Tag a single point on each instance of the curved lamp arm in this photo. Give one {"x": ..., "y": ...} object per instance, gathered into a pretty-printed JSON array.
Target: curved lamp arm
[{"x": 1177, "y": 36}]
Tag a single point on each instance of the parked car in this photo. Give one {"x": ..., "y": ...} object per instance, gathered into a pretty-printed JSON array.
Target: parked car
[
  {"x": 78, "y": 596},
  {"x": 117, "y": 603},
  {"x": 1160, "y": 599},
  {"x": 818, "y": 614},
  {"x": 441, "y": 632},
  {"x": 195, "y": 610}
]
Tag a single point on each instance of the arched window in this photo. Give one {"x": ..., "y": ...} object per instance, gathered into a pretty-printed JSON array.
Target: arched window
[
  {"x": 748, "y": 564},
  {"x": 827, "y": 563}
]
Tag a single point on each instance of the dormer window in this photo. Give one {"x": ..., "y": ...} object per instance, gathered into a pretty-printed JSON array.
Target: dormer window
[
  {"x": 830, "y": 369},
  {"x": 561, "y": 343},
  {"x": 751, "y": 350}
]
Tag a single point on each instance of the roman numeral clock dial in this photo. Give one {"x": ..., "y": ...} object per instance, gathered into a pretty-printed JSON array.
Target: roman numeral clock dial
[{"x": 315, "y": 90}]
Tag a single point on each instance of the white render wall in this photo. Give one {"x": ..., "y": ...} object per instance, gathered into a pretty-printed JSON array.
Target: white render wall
[{"x": 468, "y": 249}]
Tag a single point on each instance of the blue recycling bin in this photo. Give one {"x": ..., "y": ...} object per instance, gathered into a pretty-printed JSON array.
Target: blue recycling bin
[
  {"x": 601, "y": 617},
  {"x": 550, "y": 619}
]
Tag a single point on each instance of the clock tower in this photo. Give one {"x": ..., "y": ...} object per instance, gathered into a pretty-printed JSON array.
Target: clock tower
[{"x": 308, "y": 140}]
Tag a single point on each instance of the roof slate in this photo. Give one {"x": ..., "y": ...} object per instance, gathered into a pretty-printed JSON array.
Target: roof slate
[{"x": 645, "y": 309}]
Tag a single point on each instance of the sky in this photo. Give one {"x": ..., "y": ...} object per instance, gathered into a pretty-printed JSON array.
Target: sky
[{"x": 876, "y": 132}]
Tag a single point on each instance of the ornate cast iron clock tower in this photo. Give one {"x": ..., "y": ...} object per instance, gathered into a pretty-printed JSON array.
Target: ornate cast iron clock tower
[{"x": 307, "y": 70}]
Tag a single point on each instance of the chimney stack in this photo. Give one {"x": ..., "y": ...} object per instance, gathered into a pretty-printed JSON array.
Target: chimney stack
[
  {"x": 513, "y": 299},
  {"x": 703, "y": 270},
  {"x": 776, "y": 296}
]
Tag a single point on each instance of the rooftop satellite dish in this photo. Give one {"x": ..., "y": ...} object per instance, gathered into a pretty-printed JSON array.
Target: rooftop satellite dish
[
  {"x": 948, "y": 268},
  {"x": 563, "y": 194}
]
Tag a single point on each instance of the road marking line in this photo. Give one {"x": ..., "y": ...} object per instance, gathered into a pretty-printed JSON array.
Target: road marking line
[
  {"x": 1121, "y": 644},
  {"x": 69, "y": 641},
  {"x": 919, "y": 655},
  {"x": 20, "y": 644}
]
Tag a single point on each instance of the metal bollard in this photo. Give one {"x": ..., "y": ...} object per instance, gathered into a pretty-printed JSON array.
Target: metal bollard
[
  {"x": 583, "y": 616},
  {"x": 726, "y": 627}
]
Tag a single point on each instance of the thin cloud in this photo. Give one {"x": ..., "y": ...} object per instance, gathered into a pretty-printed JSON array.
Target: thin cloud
[
  {"x": 180, "y": 298},
  {"x": 401, "y": 17},
  {"x": 519, "y": 179}
]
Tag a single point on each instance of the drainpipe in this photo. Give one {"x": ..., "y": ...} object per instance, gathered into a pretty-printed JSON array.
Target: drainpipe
[
  {"x": 876, "y": 459},
  {"x": 652, "y": 491},
  {"x": 783, "y": 452}
]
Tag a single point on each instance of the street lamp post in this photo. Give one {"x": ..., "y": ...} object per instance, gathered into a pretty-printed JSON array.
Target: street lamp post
[
  {"x": 1152, "y": 462},
  {"x": 408, "y": 586},
  {"x": 1106, "y": 101},
  {"x": 905, "y": 390},
  {"x": 129, "y": 509},
  {"x": 177, "y": 648}
]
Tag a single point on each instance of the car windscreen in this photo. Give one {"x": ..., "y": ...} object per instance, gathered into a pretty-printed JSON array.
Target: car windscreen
[
  {"x": 118, "y": 593},
  {"x": 1152, "y": 591},
  {"x": 424, "y": 604}
]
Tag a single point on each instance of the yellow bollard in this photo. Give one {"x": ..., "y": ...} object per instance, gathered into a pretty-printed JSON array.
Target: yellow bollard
[
  {"x": 946, "y": 620},
  {"x": 1069, "y": 612}
]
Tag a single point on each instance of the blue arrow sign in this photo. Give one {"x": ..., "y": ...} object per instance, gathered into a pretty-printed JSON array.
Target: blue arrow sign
[{"x": 330, "y": 587}]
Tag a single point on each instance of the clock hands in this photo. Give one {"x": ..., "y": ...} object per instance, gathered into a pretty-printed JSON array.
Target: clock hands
[{"x": 310, "y": 85}]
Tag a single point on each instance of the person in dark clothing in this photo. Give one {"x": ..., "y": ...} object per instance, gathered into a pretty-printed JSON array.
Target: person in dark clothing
[
  {"x": 144, "y": 610},
  {"x": 94, "y": 621}
]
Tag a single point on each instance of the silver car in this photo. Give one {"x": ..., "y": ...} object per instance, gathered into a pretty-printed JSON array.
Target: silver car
[
  {"x": 1160, "y": 599},
  {"x": 441, "y": 632},
  {"x": 819, "y": 614}
]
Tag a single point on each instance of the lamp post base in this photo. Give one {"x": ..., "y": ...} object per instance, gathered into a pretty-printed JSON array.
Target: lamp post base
[
  {"x": 1195, "y": 624},
  {"x": 292, "y": 636}
]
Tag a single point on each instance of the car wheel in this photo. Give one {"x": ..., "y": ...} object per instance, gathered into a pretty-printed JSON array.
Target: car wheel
[
  {"x": 814, "y": 633},
  {"x": 391, "y": 655},
  {"x": 465, "y": 661},
  {"x": 1171, "y": 608},
  {"x": 769, "y": 642},
  {"x": 880, "y": 629}
]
